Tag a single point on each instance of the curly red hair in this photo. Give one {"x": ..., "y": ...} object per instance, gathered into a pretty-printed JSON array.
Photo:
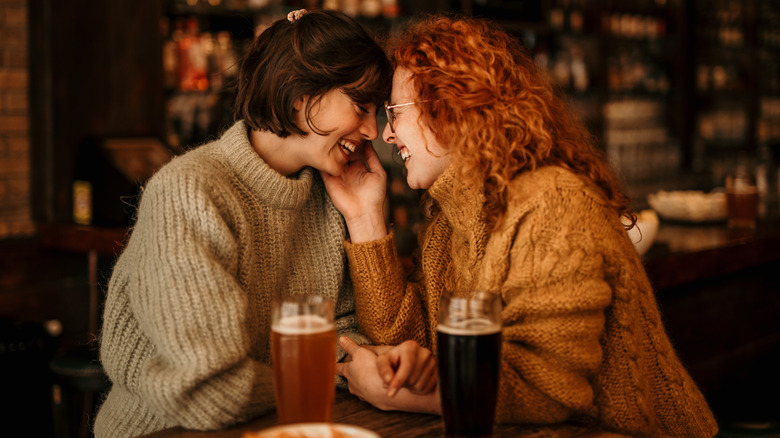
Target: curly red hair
[{"x": 485, "y": 98}]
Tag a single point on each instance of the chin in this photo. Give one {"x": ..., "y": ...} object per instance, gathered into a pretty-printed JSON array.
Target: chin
[
  {"x": 415, "y": 186},
  {"x": 409, "y": 182},
  {"x": 335, "y": 168}
]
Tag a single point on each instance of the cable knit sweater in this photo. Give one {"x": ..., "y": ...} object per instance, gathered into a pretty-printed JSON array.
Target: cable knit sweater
[
  {"x": 186, "y": 325},
  {"x": 582, "y": 334}
]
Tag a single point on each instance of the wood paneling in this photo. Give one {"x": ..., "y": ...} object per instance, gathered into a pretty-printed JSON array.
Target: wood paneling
[{"x": 95, "y": 72}]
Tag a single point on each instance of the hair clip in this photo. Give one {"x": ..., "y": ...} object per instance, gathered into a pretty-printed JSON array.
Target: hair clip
[{"x": 294, "y": 16}]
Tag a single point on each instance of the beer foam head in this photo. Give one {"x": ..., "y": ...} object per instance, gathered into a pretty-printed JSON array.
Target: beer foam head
[
  {"x": 302, "y": 325},
  {"x": 470, "y": 327}
]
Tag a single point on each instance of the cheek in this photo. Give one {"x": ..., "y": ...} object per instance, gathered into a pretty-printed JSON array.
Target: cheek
[{"x": 348, "y": 122}]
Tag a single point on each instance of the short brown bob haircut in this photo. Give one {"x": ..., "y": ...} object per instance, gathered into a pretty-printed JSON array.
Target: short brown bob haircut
[{"x": 320, "y": 51}]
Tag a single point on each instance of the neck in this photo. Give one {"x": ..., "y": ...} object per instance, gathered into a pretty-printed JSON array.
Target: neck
[{"x": 276, "y": 151}]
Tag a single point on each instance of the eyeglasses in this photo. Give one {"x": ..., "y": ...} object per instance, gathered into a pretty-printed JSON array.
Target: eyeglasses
[{"x": 391, "y": 113}]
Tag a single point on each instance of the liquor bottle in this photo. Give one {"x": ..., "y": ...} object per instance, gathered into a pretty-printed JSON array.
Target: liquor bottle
[
  {"x": 83, "y": 177},
  {"x": 193, "y": 61},
  {"x": 171, "y": 57},
  {"x": 102, "y": 195}
]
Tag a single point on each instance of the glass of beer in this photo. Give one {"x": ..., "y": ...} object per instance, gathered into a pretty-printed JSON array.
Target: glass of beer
[
  {"x": 469, "y": 356},
  {"x": 303, "y": 352},
  {"x": 741, "y": 201}
]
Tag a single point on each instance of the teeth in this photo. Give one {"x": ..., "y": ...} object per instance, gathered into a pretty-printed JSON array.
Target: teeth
[
  {"x": 347, "y": 145},
  {"x": 404, "y": 154}
]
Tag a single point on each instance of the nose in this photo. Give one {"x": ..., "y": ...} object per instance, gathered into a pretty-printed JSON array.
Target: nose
[
  {"x": 388, "y": 135},
  {"x": 369, "y": 129}
]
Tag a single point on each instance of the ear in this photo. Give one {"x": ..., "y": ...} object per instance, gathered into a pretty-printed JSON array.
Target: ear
[{"x": 300, "y": 103}]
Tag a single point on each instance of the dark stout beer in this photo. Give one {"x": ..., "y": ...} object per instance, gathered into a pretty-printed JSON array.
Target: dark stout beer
[{"x": 469, "y": 354}]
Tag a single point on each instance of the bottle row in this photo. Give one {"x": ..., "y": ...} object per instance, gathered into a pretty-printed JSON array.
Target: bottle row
[
  {"x": 237, "y": 5},
  {"x": 354, "y": 8},
  {"x": 730, "y": 22},
  {"x": 768, "y": 129},
  {"x": 638, "y": 142},
  {"x": 198, "y": 61},
  {"x": 730, "y": 124},
  {"x": 618, "y": 24},
  {"x": 647, "y": 27}
]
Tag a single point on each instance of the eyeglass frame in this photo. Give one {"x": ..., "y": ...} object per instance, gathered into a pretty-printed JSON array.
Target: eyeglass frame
[{"x": 390, "y": 115}]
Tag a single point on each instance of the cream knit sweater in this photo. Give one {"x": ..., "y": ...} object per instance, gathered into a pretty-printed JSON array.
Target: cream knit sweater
[
  {"x": 186, "y": 325},
  {"x": 582, "y": 334}
]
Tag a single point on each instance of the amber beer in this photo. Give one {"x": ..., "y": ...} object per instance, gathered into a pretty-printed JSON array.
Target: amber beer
[
  {"x": 469, "y": 356},
  {"x": 303, "y": 352},
  {"x": 742, "y": 205}
]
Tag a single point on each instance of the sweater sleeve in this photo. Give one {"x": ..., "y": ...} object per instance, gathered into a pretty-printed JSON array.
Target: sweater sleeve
[
  {"x": 390, "y": 310},
  {"x": 347, "y": 324},
  {"x": 188, "y": 301},
  {"x": 555, "y": 294}
]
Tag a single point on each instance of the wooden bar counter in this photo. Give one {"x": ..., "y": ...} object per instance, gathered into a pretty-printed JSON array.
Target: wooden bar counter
[
  {"x": 719, "y": 294},
  {"x": 350, "y": 410},
  {"x": 684, "y": 253},
  {"x": 718, "y": 290}
]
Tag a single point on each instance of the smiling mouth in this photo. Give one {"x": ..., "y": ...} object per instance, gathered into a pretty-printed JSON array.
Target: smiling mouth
[
  {"x": 404, "y": 153},
  {"x": 347, "y": 146}
]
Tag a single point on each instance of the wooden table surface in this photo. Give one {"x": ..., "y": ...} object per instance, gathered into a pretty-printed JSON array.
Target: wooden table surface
[{"x": 350, "y": 410}]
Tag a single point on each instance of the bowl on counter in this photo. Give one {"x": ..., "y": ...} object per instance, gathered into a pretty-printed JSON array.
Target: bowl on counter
[
  {"x": 312, "y": 430},
  {"x": 689, "y": 205},
  {"x": 643, "y": 234}
]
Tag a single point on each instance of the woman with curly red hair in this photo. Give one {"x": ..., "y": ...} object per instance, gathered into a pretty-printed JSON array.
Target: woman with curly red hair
[{"x": 520, "y": 202}]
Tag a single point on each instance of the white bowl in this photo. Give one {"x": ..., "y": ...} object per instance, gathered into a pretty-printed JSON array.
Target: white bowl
[
  {"x": 689, "y": 205},
  {"x": 313, "y": 430},
  {"x": 644, "y": 232}
]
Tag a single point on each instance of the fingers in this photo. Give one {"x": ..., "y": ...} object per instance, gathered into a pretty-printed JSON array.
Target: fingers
[
  {"x": 422, "y": 356},
  {"x": 349, "y": 346},
  {"x": 342, "y": 368},
  {"x": 325, "y": 176},
  {"x": 403, "y": 366},
  {"x": 377, "y": 349},
  {"x": 332, "y": 183},
  {"x": 415, "y": 369},
  {"x": 386, "y": 370},
  {"x": 372, "y": 158},
  {"x": 428, "y": 379}
]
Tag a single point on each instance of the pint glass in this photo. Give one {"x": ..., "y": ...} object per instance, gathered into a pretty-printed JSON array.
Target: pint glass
[
  {"x": 469, "y": 356},
  {"x": 303, "y": 352},
  {"x": 741, "y": 202}
]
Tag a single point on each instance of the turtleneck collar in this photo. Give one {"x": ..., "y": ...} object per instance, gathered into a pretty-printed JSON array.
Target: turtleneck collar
[{"x": 269, "y": 185}]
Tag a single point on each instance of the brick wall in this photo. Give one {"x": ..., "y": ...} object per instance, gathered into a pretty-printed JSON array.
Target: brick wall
[{"x": 15, "y": 217}]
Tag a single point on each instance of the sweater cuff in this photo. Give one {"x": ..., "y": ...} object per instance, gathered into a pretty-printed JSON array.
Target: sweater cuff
[{"x": 370, "y": 258}]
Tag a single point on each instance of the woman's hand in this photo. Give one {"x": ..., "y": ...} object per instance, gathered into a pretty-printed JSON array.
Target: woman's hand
[
  {"x": 408, "y": 365},
  {"x": 365, "y": 383},
  {"x": 359, "y": 194}
]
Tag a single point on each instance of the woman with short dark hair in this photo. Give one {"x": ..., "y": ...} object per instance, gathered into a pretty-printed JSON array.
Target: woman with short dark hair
[{"x": 227, "y": 226}]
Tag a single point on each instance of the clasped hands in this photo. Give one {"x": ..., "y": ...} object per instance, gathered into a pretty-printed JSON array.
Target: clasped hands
[{"x": 400, "y": 378}]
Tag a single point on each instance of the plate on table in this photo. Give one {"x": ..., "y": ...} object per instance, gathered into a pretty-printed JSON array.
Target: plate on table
[
  {"x": 694, "y": 206},
  {"x": 313, "y": 430}
]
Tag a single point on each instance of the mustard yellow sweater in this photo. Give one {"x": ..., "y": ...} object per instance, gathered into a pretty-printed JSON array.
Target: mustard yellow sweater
[{"x": 582, "y": 334}]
